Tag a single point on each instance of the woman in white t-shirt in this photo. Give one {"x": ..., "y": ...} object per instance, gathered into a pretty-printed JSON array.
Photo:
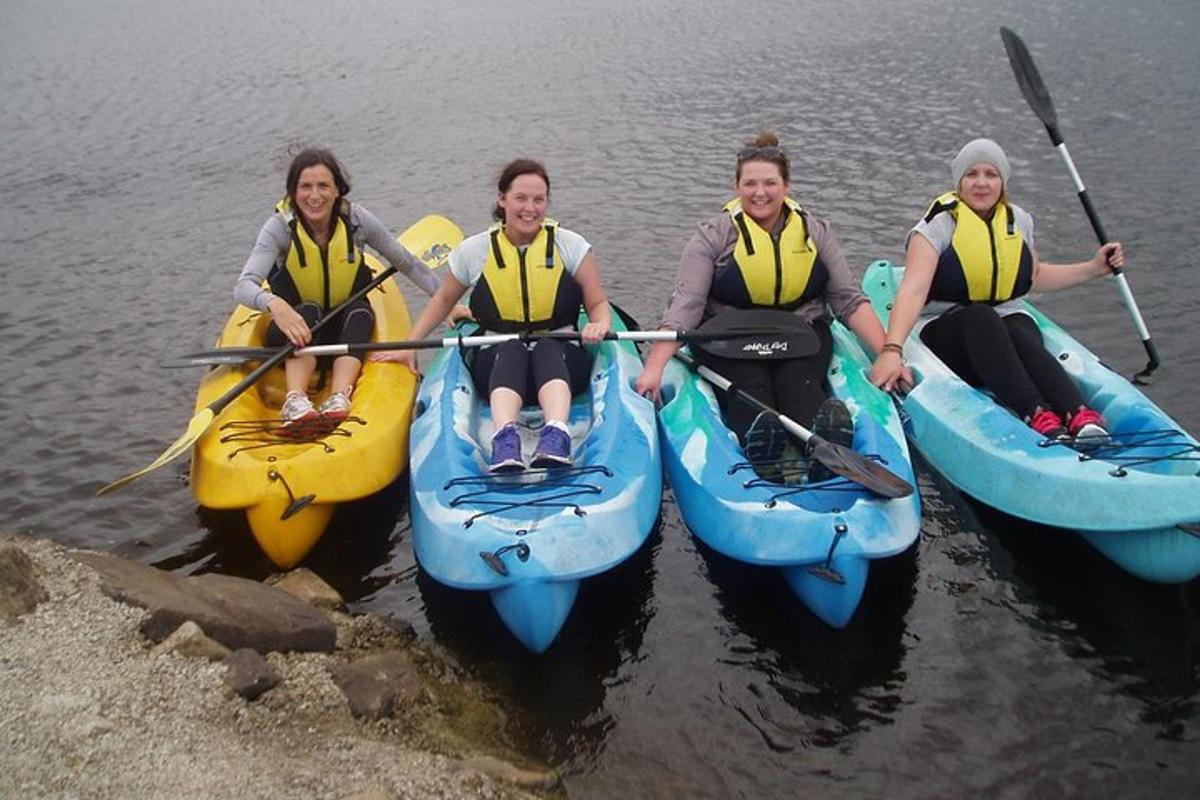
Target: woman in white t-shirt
[
  {"x": 968, "y": 257},
  {"x": 526, "y": 274}
]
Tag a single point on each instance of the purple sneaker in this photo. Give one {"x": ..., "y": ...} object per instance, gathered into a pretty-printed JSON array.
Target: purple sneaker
[
  {"x": 553, "y": 448},
  {"x": 506, "y": 450}
]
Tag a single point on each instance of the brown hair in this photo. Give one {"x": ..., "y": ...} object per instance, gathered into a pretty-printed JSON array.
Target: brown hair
[
  {"x": 764, "y": 147},
  {"x": 513, "y": 170},
  {"x": 311, "y": 157}
]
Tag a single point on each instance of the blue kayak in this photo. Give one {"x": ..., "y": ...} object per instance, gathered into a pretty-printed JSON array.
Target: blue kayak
[
  {"x": 529, "y": 539},
  {"x": 1136, "y": 498},
  {"x": 821, "y": 535}
]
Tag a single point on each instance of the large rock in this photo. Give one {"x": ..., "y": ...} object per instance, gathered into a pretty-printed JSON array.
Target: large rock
[
  {"x": 378, "y": 686},
  {"x": 20, "y": 589},
  {"x": 234, "y": 611}
]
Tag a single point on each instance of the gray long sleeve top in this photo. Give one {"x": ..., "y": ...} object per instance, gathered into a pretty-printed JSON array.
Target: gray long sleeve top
[
  {"x": 274, "y": 240},
  {"x": 713, "y": 242}
]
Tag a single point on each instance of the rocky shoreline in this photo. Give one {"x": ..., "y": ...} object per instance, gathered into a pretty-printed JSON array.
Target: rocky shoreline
[{"x": 118, "y": 680}]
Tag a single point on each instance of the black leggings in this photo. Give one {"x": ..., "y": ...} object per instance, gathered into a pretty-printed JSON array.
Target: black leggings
[
  {"x": 1005, "y": 355},
  {"x": 514, "y": 365},
  {"x": 794, "y": 387},
  {"x": 354, "y": 326}
]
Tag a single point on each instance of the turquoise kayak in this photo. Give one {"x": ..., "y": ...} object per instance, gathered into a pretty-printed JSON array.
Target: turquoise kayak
[
  {"x": 1136, "y": 499},
  {"x": 529, "y": 539},
  {"x": 822, "y": 536}
]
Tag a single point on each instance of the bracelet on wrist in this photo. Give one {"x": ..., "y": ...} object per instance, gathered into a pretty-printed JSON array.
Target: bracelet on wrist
[{"x": 893, "y": 348}]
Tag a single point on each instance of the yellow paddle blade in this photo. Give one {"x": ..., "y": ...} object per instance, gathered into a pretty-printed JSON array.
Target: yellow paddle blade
[
  {"x": 195, "y": 430},
  {"x": 431, "y": 239}
]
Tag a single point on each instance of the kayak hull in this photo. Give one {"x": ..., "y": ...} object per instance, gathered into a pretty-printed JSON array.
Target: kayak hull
[
  {"x": 1126, "y": 499},
  {"x": 822, "y": 536},
  {"x": 529, "y": 539}
]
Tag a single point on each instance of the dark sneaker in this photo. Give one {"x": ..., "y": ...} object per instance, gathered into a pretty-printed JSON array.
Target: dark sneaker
[
  {"x": 834, "y": 424},
  {"x": 553, "y": 448},
  {"x": 1048, "y": 424},
  {"x": 1087, "y": 428},
  {"x": 506, "y": 450},
  {"x": 765, "y": 439}
]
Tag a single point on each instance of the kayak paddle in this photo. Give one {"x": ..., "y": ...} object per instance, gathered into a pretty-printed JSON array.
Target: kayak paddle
[
  {"x": 1039, "y": 100},
  {"x": 840, "y": 460},
  {"x": 424, "y": 238},
  {"x": 753, "y": 343}
]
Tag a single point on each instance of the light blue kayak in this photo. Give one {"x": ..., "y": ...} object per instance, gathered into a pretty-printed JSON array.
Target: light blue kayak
[
  {"x": 822, "y": 536},
  {"x": 529, "y": 539},
  {"x": 1129, "y": 498}
]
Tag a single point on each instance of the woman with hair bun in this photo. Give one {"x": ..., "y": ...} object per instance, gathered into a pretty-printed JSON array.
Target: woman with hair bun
[
  {"x": 310, "y": 253},
  {"x": 765, "y": 251},
  {"x": 527, "y": 274}
]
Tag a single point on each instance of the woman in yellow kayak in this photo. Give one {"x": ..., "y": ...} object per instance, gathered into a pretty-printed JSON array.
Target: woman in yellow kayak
[
  {"x": 969, "y": 256},
  {"x": 526, "y": 274},
  {"x": 765, "y": 251},
  {"x": 310, "y": 253}
]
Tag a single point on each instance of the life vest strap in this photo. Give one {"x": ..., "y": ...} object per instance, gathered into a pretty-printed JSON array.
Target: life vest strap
[
  {"x": 496, "y": 254},
  {"x": 938, "y": 207},
  {"x": 740, "y": 219}
]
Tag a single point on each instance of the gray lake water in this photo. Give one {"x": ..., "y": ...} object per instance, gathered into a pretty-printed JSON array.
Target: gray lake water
[{"x": 146, "y": 142}]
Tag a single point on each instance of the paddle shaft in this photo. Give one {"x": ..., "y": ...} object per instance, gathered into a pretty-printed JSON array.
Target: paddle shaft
[
  {"x": 233, "y": 355},
  {"x": 1033, "y": 88}
]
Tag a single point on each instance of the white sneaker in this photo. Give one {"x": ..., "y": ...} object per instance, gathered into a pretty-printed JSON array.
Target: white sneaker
[
  {"x": 297, "y": 408},
  {"x": 335, "y": 408}
]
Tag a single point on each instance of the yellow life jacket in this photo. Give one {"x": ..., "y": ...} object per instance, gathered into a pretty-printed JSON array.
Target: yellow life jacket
[
  {"x": 985, "y": 262},
  {"x": 525, "y": 289},
  {"x": 326, "y": 278},
  {"x": 766, "y": 271}
]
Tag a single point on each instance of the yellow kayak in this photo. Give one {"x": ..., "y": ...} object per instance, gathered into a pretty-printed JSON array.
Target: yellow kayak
[{"x": 289, "y": 488}]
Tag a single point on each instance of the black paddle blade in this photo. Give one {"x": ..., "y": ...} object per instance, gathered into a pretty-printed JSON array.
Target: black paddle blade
[
  {"x": 850, "y": 464},
  {"x": 756, "y": 334},
  {"x": 1029, "y": 80}
]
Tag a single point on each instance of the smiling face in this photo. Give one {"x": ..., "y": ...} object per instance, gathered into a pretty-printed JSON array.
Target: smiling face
[
  {"x": 980, "y": 187},
  {"x": 524, "y": 206},
  {"x": 316, "y": 194},
  {"x": 761, "y": 190}
]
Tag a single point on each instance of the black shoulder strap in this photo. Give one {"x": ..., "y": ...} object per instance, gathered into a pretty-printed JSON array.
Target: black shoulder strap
[
  {"x": 495, "y": 237},
  {"x": 299, "y": 247},
  {"x": 349, "y": 232},
  {"x": 938, "y": 207},
  {"x": 550, "y": 246},
  {"x": 740, "y": 219}
]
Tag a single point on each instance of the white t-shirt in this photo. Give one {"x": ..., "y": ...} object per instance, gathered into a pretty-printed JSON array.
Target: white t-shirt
[{"x": 467, "y": 260}]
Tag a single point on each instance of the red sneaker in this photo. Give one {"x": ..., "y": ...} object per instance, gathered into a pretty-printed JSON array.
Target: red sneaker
[
  {"x": 1048, "y": 424},
  {"x": 1087, "y": 428}
]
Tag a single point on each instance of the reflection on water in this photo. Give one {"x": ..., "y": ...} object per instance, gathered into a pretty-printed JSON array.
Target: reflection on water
[
  {"x": 558, "y": 698},
  {"x": 1143, "y": 637}
]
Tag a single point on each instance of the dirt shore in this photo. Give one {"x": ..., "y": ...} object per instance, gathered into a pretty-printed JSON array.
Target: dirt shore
[{"x": 87, "y": 710}]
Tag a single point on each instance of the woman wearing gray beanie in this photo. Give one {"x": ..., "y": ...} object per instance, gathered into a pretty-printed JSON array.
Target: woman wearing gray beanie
[{"x": 969, "y": 255}]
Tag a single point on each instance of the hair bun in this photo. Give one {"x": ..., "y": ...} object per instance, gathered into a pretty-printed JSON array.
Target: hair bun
[{"x": 765, "y": 139}]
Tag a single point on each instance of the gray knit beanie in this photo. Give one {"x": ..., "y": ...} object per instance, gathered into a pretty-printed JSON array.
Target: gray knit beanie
[{"x": 980, "y": 151}]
